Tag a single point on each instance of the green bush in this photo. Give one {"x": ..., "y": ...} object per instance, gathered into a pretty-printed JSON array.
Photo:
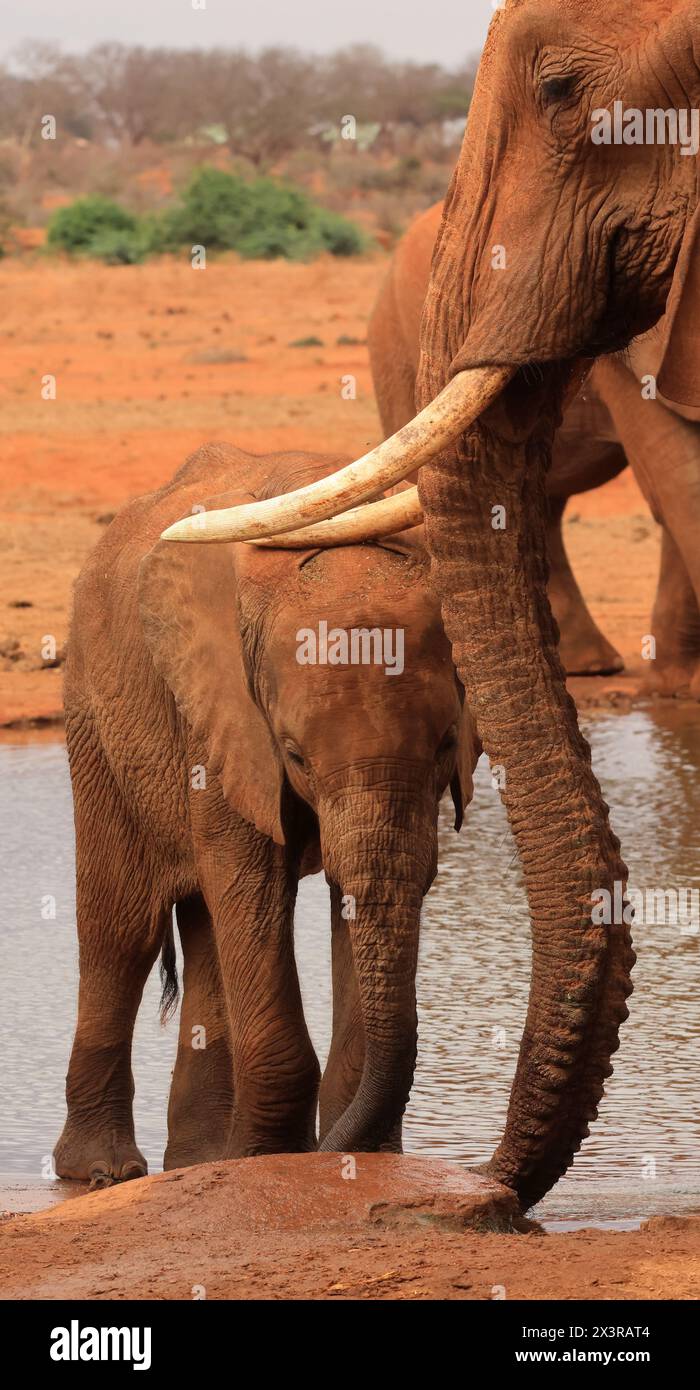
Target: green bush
[
  {"x": 120, "y": 247},
  {"x": 76, "y": 227},
  {"x": 261, "y": 219}
]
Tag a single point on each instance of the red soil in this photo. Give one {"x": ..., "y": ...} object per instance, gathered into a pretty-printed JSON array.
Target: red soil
[{"x": 289, "y": 1226}]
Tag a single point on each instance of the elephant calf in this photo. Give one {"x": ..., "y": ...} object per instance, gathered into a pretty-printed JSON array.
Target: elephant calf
[{"x": 214, "y": 763}]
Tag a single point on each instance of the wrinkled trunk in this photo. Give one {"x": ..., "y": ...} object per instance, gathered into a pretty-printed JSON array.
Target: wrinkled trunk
[
  {"x": 379, "y": 848},
  {"x": 492, "y": 585}
]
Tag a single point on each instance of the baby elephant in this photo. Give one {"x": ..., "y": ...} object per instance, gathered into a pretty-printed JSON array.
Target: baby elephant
[{"x": 238, "y": 717}]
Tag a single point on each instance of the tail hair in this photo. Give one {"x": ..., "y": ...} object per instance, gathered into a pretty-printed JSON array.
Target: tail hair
[{"x": 170, "y": 987}]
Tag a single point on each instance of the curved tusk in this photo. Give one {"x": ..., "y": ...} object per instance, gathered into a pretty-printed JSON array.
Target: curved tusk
[
  {"x": 443, "y": 420},
  {"x": 396, "y": 513}
]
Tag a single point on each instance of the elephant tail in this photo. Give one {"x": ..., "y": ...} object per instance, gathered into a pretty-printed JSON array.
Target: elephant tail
[{"x": 170, "y": 988}]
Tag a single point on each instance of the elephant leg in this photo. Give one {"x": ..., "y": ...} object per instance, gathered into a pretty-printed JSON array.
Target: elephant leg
[
  {"x": 250, "y": 893},
  {"x": 346, "y": 1057},
  {"x": 664, "y": 452},
  {"x": 583, "y": 648},
  {"x": 201, "y": 1094},
  {"x": 120, "y": 930},
  {"x": 675, "y": 626}
]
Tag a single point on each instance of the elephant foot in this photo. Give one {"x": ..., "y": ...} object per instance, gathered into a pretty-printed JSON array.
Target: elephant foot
[
  {"x": 185, "y": 1153},
  {"x": 100, "y": 1159},
  {"x": 674, "y": 679},
  {"x": 589, "y": 654}
]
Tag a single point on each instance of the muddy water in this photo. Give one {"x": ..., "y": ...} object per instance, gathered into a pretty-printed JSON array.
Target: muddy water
[{"x": 644, "y": 1153}]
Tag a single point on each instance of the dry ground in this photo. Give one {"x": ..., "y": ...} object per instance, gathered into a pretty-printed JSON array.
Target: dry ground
[{"x": 290, "y": 1227}]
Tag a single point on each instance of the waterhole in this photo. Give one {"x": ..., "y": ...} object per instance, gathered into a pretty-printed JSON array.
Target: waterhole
[{"x": 643, "y": 1155}]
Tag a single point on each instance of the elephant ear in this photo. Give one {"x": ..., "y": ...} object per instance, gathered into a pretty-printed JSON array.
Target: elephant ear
[
  {"x": 468, "y": 751},
  {"x": 188, "y": 600},
  {"x": 679, "y": 378}
]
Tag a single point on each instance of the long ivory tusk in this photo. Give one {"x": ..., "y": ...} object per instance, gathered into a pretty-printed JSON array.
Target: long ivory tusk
[
  {"x": 385, "y": 518},
  {"x": 457, "y": 406}
]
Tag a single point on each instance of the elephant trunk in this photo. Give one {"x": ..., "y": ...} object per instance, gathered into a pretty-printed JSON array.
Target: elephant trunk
[
  {"x": 492, "y": 585},
  {"x": 380, "y": 849}
]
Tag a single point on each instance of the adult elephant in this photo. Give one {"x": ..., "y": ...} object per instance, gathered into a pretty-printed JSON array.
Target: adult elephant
[
  {"x": 235, "y": 721},
  {"x": 615, "y": 419},
  {"x": 587, "y": 451},
  {"x": 593, "y": 235}
]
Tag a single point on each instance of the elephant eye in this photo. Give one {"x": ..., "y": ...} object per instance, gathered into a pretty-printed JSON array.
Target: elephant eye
[
  {"x": 294, "y": 756},
  {"x": 557, "y": 88},
  {"x": 447, "y": 742}
]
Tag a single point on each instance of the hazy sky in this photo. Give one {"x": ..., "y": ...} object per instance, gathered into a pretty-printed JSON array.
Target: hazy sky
[{"x": 432, "y": 30}]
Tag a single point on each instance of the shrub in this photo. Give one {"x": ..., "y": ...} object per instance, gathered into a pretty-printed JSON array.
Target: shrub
[
  {"x": 116, "y": 247},
  {"x": 259, "y": 219},
  {"x": 76, "y": 227},
  {"x": 212, "y": 212}
]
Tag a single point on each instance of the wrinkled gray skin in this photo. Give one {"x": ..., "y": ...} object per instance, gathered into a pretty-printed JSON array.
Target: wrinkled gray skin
[{"x": 211, "y": 770}]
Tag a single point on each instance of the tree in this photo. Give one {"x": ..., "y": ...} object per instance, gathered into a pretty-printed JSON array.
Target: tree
[
  {"x": 39, "y": 80},
  {"x": 265, "y": 104},
  {"x": 133, "y": 93}
]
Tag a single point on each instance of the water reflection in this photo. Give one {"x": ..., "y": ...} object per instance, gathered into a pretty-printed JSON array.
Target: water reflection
[{"x": 644, "y": 1153}]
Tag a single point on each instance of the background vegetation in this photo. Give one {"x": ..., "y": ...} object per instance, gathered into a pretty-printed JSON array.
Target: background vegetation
[
  {"x": 260, "y": 218},
  {"x": 136, "y": 127}
]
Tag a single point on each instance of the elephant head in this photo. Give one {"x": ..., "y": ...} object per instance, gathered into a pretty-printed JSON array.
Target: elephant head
[
  {"x": 319, "y": 687},
  {"x": 554, "y": 247}
]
